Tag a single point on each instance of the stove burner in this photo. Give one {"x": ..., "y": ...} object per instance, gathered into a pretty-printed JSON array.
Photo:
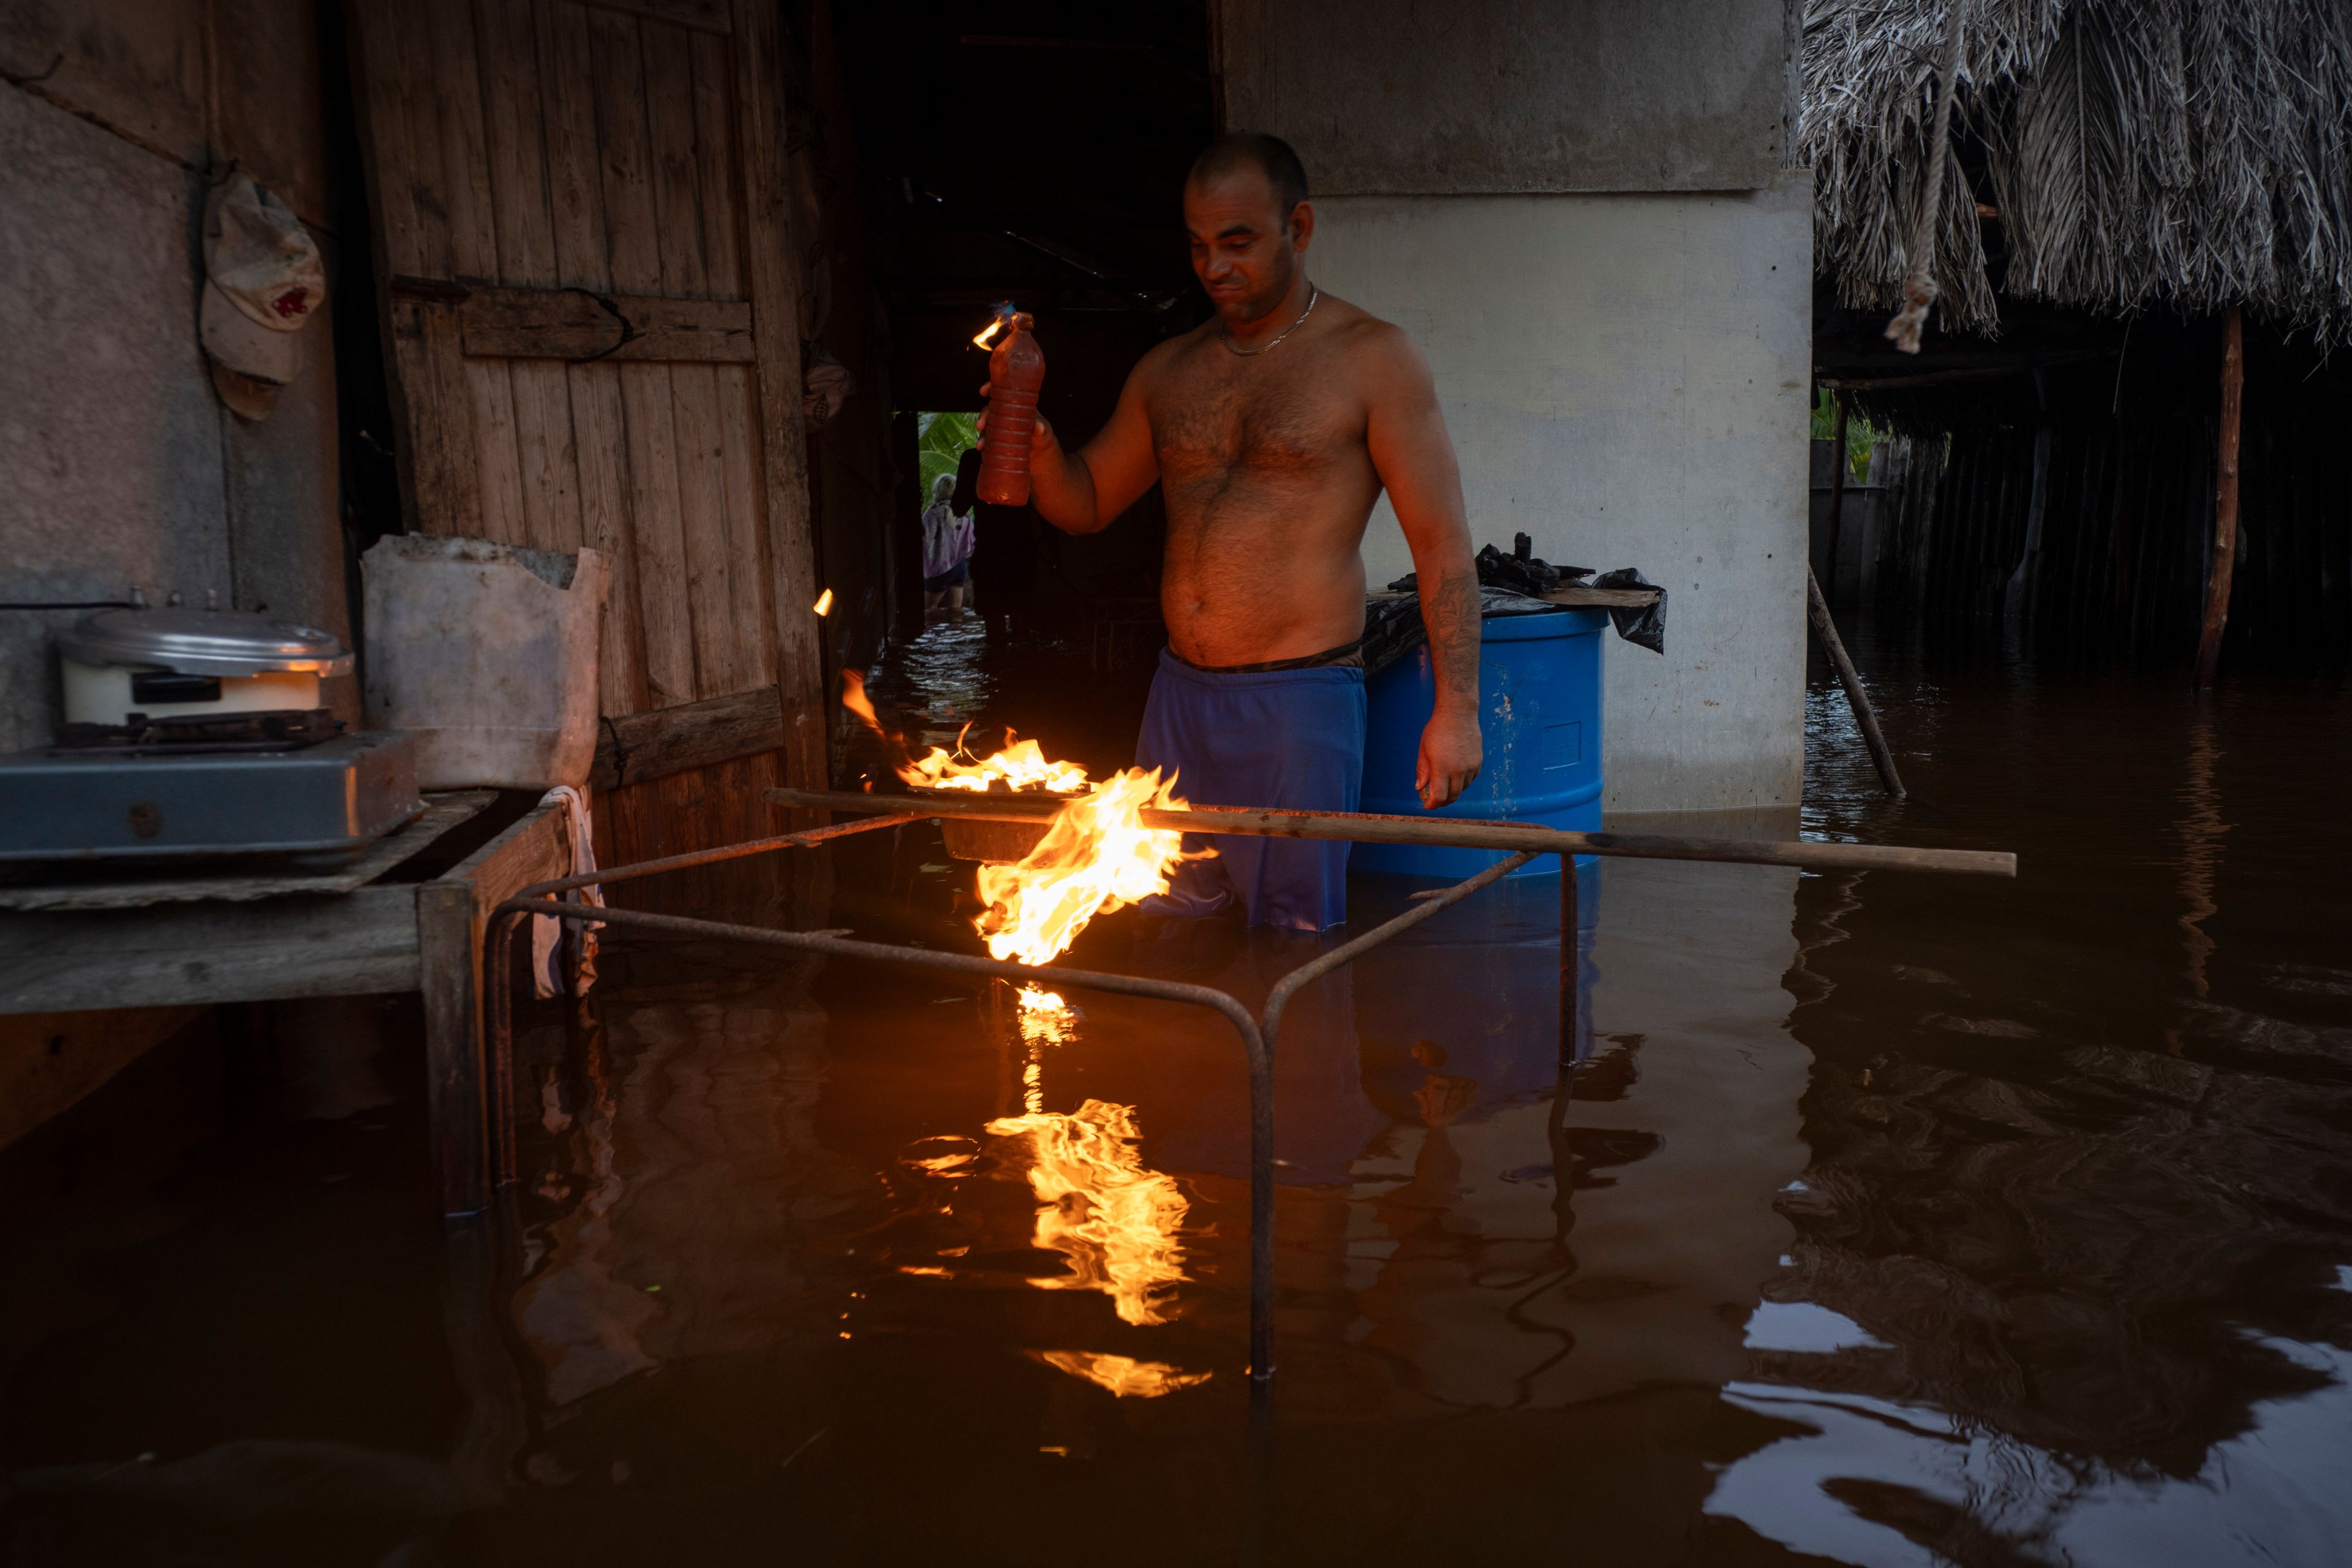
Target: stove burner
[{"x": 288, "y": 729}]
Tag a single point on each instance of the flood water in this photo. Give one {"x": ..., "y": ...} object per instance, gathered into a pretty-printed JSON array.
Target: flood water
[{"x": 1875, "y": 1219}]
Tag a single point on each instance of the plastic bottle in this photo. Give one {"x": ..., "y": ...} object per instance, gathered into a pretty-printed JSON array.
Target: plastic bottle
[{"x": 1016, "y": 369}]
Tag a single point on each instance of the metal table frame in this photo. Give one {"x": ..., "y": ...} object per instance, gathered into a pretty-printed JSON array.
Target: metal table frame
[{"x": 470, "y": 1190}]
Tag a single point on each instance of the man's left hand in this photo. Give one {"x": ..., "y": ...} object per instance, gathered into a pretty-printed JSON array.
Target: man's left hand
[{"x": 1451, "y": 753}]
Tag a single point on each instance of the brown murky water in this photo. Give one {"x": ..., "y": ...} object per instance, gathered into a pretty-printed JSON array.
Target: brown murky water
[{"x": 1885, "y": 1220}]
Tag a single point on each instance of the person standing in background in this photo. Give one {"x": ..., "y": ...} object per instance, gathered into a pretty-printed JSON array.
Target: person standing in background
[{"x": 946, "y": 549}]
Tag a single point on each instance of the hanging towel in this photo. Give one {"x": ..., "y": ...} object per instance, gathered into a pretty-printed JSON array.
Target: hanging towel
[{"x": 546, "y": 932}]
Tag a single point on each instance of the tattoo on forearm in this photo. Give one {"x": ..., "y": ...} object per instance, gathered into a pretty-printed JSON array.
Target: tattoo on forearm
[{"x": 1451, "y": 614}]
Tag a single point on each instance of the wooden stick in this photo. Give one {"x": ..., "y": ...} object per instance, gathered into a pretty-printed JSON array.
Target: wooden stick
[
  {"x": 1461, "y": 833},
  {"x": 2225, "y": 498},
  {"x": 1850, "y": 678}
]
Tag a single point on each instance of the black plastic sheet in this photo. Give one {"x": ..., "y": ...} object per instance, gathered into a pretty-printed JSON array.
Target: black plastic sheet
[
  {"x": 1506, "y": 587},
  {"x": 1644, "y": 626}
]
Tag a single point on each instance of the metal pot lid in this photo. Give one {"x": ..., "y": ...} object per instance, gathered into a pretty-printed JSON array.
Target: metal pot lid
[{"x": 205, "y": 642}]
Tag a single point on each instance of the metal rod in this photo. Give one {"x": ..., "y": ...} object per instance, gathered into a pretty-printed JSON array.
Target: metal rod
[
  {"x": 1859, "y": 701},
  {"x": 693, "y": 857},
  {"x": 1463, "y": 832}
]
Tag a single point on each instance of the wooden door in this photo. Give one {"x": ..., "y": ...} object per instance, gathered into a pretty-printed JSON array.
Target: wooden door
[{"x": 592, "y": 311}]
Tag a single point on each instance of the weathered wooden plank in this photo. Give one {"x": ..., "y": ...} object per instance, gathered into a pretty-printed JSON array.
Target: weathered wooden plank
[
  {"x": 719, "y": 662},
  {"x": 382, "y": 116},
  {"x": 549, "y": 457},
  {"x": 624, "y": 142},
  {"x": 513, "y": 119},
  {"x": 751, "y": 609},
  {"x": 441, "y": 105},
  {"x": 353, "y": 945},
  {"x": 671, "y": 164},
  {"x": 465, "y": 185},
  {"x": 579, "y": 324},
  {"x": 575, "y": 191},
  {"x": 631, "y": 222},
  {"x": 490, "y": 390},
  {"x": 435, "y": 406},
  {"x": 654, "y": 506},
  {"x": 400, "y": 141},
  {"x": 600, "y": 436},
  {"x": 642, "y": 746},
  {"x": 540, "y": 402},
  {"x": 532, "y": 850},
  {"x": 714, "y": 151},
  {"x": 773, "y": 269},
  {"x": 599, "y": 432},
  {"x": 706, "y": 16},
  {"x": 679, "y": 201}
]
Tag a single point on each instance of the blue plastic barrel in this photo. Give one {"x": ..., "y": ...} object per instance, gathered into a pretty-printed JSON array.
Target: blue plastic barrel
[{"x": 1540, "y": 714}]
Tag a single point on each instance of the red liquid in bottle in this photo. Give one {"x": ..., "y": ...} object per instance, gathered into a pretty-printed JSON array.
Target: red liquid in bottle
[{"x": 1016, "y": 369}]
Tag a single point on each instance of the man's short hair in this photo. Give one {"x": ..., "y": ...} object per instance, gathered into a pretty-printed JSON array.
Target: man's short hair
[{"x": 1269, "y": 155}]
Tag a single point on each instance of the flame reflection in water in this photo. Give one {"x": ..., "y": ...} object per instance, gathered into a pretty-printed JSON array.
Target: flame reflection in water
[
  {"x": 1113, "y": 1219},
  {"x": 1124, "y": 1375}
]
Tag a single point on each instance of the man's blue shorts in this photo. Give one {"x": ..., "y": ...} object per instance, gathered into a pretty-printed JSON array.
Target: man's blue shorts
[{"x": 1286, "y": 737}]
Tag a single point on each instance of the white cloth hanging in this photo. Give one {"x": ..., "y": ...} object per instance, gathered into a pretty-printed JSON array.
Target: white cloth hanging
[{"x": 546, "y": 932}]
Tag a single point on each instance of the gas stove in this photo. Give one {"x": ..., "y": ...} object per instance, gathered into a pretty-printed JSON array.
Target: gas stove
[{"x": 199, "y": 734}]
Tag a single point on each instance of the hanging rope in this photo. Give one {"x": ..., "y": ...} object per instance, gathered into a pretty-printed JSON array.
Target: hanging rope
[{"x": 1919, "y": 284}]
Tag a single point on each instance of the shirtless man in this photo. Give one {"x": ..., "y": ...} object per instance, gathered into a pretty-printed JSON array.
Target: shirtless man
[{"x": 1272, "y": 429}]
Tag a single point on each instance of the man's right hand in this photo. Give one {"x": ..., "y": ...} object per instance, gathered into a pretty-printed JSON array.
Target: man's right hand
[{"x": 1044, "y": 426}]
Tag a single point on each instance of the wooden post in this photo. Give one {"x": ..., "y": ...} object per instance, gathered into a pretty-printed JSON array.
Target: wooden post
[
  {"x": 2225, "y": 498},
  {"x": 450, "y": 972},
  {"x": 462, "y": 1097},
  {"x": 1850, "y": 678},
  {"x": 1837, "y": 486}
]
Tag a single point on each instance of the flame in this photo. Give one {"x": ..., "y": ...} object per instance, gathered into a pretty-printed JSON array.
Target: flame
[
  {"x": 987, "y": 335},
  {"x": 1046, "y": 1020},
  {"x": 1124, "y": 1375},
  {"x": 1114, "y": 1220},
  {"x": 853, "y": 697},
  {"x": 1020, "y": 765},
  {"x": 1096, "y": 857},
  {"x": 823, "y": 605}
]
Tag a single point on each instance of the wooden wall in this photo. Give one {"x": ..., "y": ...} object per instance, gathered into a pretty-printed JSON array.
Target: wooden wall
[{"x": 591, "y": 302}]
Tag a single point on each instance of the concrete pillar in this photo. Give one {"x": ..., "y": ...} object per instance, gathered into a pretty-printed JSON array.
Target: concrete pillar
[{"x": 1579, "y": 213}]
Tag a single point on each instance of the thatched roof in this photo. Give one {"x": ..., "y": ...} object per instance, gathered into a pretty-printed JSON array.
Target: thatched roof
[{"x": 2192, "y": 153}]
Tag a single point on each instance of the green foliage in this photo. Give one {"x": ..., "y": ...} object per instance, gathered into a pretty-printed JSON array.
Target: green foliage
[
  {"x": 1861, "y": 435},
  {"x": 940, "y": 440}
]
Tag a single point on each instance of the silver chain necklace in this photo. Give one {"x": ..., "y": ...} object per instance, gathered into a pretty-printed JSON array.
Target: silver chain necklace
[{"x": 1313, "y": 294}]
